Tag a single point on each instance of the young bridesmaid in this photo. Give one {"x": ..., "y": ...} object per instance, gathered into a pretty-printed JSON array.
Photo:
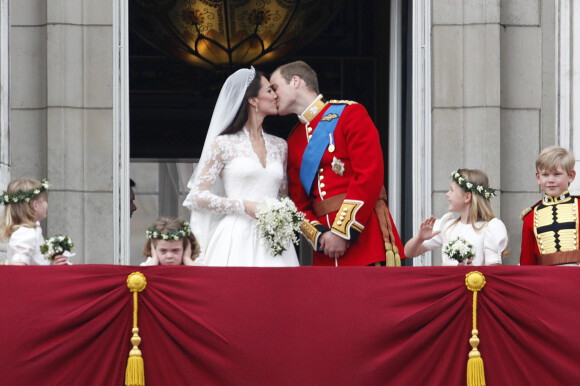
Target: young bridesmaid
[
  {"x": 170, "y": 242},
  {"x": 25, "y": 205},
  {"x": 469, "y": 195}
]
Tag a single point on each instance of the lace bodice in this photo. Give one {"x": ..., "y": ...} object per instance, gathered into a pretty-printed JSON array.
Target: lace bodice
[{"x": 233, "y": 159}]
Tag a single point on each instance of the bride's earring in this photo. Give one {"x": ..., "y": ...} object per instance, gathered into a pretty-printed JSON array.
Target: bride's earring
[{"x": 256, "y": 107}]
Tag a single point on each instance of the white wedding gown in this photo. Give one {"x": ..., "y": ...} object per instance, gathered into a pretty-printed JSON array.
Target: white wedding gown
[{"x": 235, "y": 242}]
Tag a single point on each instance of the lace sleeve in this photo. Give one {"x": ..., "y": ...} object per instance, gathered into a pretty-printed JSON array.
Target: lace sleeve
[
  {"x": 201, "y": 196},
  {"x": 284, "y": 185}
]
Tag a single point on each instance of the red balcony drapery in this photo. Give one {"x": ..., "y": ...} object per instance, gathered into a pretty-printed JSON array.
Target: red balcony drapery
[{"x": 288, "y": 326}]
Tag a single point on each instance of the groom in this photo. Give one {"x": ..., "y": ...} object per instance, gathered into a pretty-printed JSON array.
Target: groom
[{"x": 335, "y": 170}]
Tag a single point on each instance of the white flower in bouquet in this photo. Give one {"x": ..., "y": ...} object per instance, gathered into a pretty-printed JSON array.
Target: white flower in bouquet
[
  {"x": 278, "y": 222},
  {"x": 459, "y": 249},
  {"x": 56, "y": 245}
]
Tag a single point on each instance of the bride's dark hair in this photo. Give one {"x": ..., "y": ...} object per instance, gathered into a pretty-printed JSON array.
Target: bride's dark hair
[{"x": 242, "y": 114}]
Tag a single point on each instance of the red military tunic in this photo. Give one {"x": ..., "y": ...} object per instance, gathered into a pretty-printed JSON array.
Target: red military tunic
[
  {"x": 354, "y": 168},
  {"x": 550, "y": 227}
]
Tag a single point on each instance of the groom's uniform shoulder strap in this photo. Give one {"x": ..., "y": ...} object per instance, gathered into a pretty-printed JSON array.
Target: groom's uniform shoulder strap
[
  {"x": 321, "y": 139},
  {"x": 341, "y": 102}
]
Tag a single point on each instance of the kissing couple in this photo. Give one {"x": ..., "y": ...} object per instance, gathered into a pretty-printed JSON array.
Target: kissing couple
[{"x": 331, "y": 167}]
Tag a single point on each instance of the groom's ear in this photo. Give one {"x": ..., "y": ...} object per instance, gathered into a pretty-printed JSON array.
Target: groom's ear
[{"x": 295, "y": 81}]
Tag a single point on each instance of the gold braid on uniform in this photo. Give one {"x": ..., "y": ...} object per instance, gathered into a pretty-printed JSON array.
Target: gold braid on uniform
[{"x": 556, "y": 224}]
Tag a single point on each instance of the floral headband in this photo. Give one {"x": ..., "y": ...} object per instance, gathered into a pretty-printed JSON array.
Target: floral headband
[
  {"x": 470, "y": 186},
  {"x": 20, "y": 196},
  {"x": 174, "y": 235}
]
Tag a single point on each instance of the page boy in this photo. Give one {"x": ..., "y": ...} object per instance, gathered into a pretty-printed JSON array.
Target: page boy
[{"x": 550, "y": 230}]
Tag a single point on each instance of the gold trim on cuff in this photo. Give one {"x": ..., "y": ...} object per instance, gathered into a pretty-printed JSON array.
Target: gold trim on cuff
[
  {"x": 346, "y": 219},
  {"x": 310, "y": 232}
]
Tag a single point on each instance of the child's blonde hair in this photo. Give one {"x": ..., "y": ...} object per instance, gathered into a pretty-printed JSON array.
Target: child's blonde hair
[
  {"x": 481, "y": 209},
  {"x": 553, "y": 157},
  {"x": 169, "y": 224},
  {"x": 19, "y": 214}
]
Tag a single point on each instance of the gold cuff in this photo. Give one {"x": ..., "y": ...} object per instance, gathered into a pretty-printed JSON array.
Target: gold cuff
[
  {"x": 345, "y": 224},
  {"x": 310, "y": 232}
]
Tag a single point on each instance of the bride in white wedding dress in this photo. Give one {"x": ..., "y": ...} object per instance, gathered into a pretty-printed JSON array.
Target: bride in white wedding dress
[{"x": 240, "y": 166}]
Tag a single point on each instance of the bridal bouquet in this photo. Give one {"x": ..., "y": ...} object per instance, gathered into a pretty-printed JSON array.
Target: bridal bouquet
[
  {"x": 459, "y": 249},
  {"x": 56, "y": 245},
  {"x": 278, "y": 220}
]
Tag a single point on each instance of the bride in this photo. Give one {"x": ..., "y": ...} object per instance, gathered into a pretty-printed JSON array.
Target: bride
[{"x": 240, "y": 166}]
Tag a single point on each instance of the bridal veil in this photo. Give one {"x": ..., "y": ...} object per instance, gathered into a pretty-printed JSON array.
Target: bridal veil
[{"x": 203, "y": 223}]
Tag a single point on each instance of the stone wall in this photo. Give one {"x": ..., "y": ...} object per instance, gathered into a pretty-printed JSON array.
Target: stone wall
[
  {"x": 62, "y": 115},
  {"x": 493, "y": 99}
]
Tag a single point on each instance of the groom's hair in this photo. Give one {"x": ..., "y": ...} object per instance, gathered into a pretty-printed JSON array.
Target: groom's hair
[{"x": 302, "y": 70}]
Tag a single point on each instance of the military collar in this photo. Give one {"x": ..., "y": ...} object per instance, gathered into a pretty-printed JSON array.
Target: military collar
[
  {"x": 312, "y": 111},
  {"x": 556, "y": 200}
]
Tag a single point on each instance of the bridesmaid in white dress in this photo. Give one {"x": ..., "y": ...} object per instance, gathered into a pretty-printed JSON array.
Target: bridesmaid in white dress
[
  {"x": 239, "y": 167},
  {"x": 469, "y": 195}
]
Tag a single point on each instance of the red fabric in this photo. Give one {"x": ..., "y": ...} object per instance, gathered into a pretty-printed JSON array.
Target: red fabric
[
  {"x": 398, "y": 241},
  {"x": 357, "y": 145},
  {"x": 529, "y": 244},
  {"x": 288, "y": 326}
]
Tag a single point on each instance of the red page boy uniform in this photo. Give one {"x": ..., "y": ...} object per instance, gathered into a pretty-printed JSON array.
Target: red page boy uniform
[
  {"x": 335, "y": 170},
  {"x": 550, "y": 231}
]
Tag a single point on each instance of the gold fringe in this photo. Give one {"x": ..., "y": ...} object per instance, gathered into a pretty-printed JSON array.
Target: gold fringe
[
  {"x": 390, "y": 262},
  {"x": 393, "y": 259},
  {"x": 135, "y": 373},
  {"x": 475, "y": 281},
  {"x": 397, "y": 256}
]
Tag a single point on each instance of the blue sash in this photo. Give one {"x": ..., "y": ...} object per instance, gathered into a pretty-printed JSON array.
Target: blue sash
[{"x": 317, "y": 145}]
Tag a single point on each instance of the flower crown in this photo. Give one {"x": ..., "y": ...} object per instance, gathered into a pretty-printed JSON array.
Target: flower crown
[
  {"x": 470, "y": 186},
  {"x": 174, "y": 235},
  {"x": 20, "y": 196}
]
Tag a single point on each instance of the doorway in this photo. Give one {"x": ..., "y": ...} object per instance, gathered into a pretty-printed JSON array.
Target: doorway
[{"x": 171, "y": 104}]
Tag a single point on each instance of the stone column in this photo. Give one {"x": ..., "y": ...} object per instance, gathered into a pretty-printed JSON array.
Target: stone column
[
  {"x": 4, "y": 104},
  {"x": 79, "y": 149},
  {"x": 528, "y": 103},
  {"x": 466, "y": 94}
]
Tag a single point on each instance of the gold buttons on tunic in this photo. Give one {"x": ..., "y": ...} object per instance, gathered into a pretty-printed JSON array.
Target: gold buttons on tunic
[
  {"x": 310, "y": 130},
  {"x": 323, "y": 194},
  {"x": 321, "y": 178},
  {"x": 322, "y": 185},
  {"x": 321, "y": 170}
]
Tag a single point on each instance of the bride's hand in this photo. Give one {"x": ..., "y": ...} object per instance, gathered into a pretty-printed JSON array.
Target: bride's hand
[{"x": 250, "y": 207}]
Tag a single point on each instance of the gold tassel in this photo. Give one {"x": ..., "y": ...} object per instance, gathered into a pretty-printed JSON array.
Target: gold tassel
[
  {"x": 393, "y": 259},
  {"x": 475, "y": 281},
  {"x": 397, "y": 256},
  {"x": 390, "y": 262},
  {"x": 135, "y": 373}
]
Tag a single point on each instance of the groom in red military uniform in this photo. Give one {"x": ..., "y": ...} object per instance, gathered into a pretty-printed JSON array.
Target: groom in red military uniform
[{"x": 335, "y": 170}]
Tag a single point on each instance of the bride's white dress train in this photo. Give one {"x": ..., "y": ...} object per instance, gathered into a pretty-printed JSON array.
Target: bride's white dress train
[{"x": 234, "y": 240}]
